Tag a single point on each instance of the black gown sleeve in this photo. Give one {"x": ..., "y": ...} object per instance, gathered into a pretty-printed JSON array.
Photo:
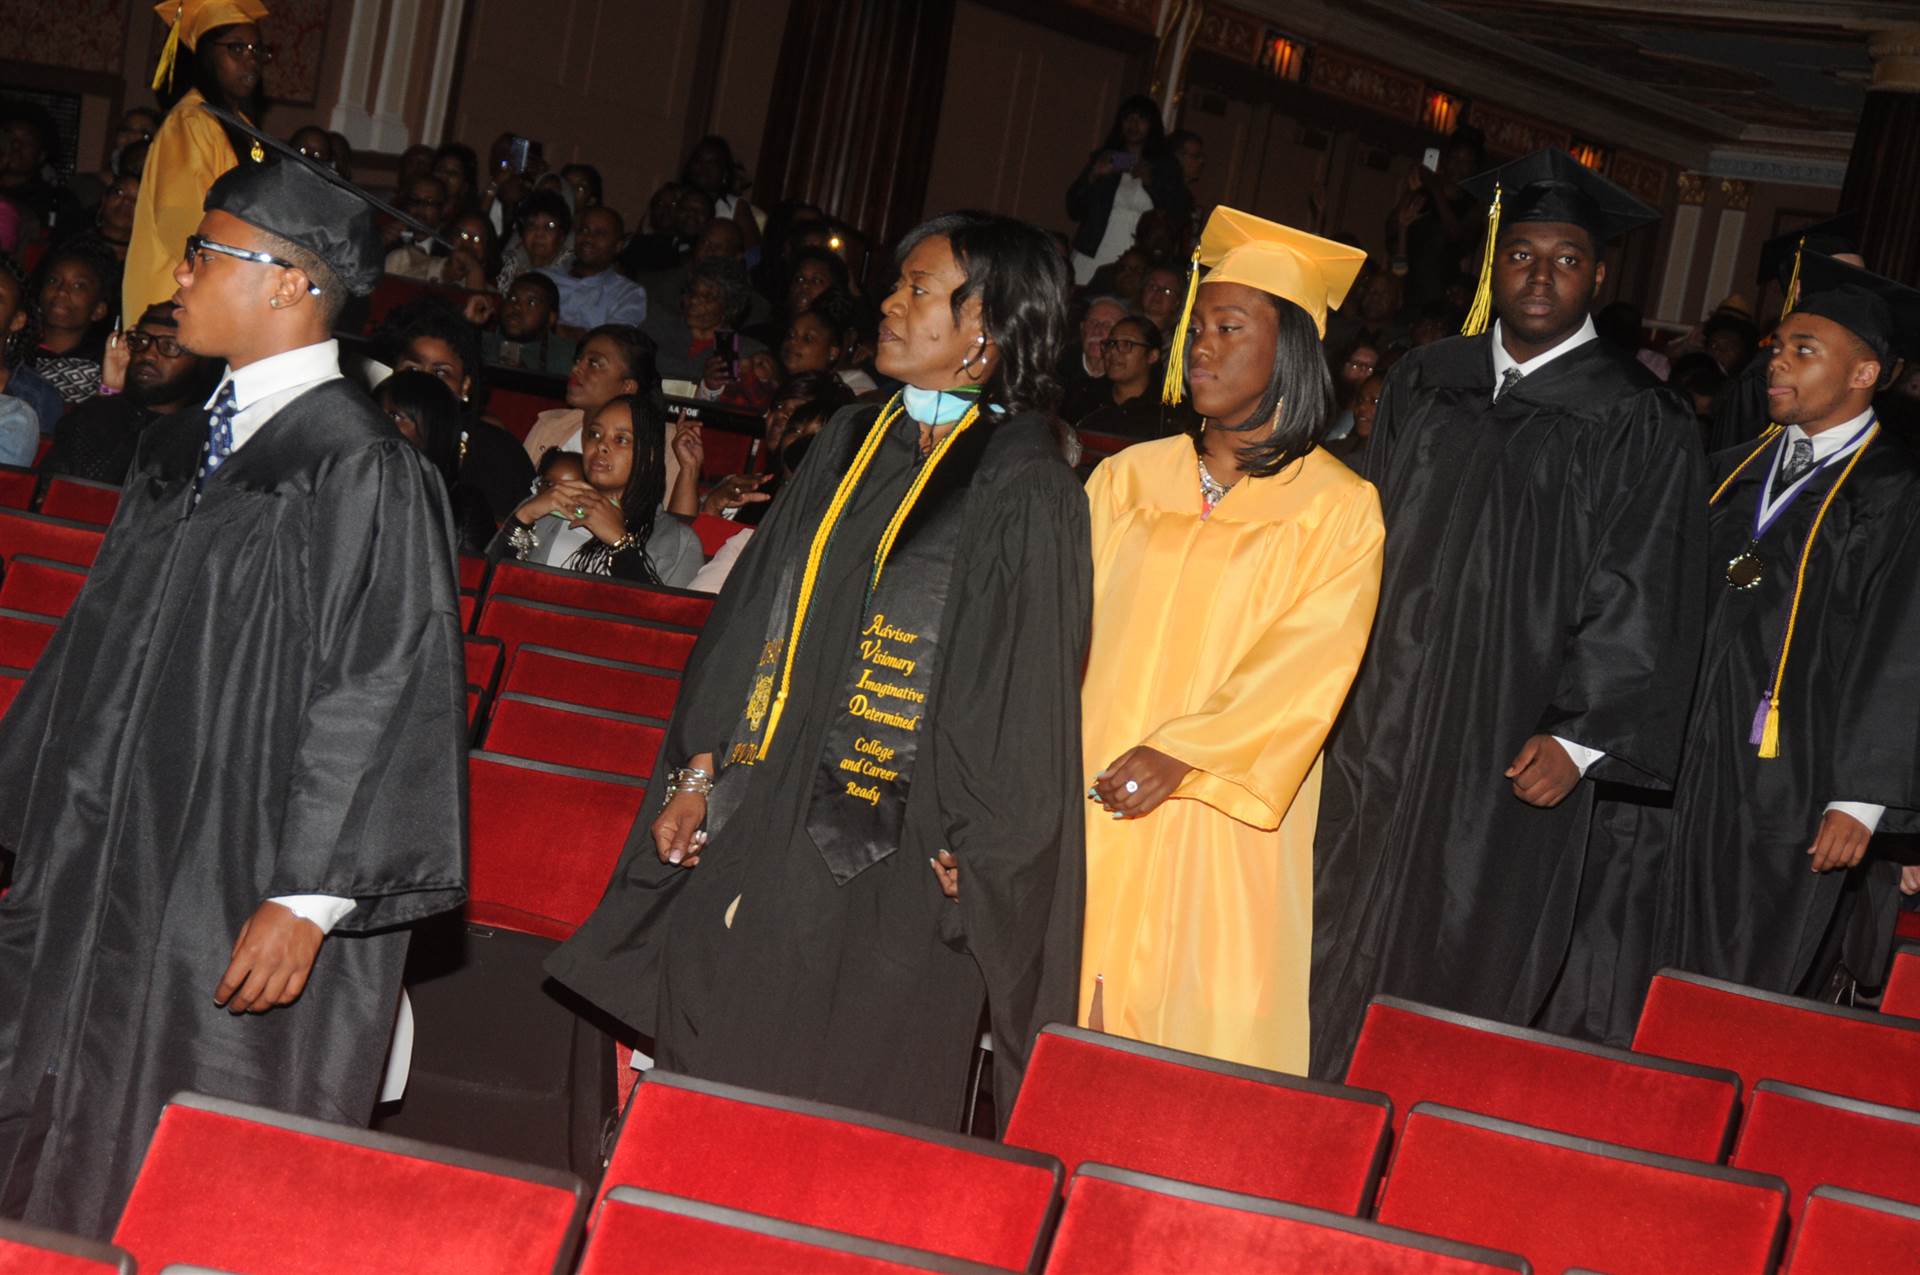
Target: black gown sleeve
[
  {"x": 376, "y": 798},
  {"x": 1631, "y": 655},
  {"x": 1874, "y": 758},
  {"x": 1008, "y": 770}
]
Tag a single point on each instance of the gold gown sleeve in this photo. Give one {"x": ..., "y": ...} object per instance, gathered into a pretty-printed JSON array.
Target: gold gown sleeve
[
  {"x": 1254, "y": 739},
  {"x": 188, "y": 154}
]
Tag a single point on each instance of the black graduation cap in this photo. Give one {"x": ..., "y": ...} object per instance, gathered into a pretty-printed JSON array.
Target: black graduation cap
[
  {"x": 1881, "y": 312},
  {"x": 1548, "y": 185},
  {"x": 307, "y": 204},
  {"x": 1833, "y": 236}
]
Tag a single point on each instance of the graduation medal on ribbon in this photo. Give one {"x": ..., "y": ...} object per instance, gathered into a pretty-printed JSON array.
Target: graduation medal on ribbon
[{"x": 1747, "y": 569}]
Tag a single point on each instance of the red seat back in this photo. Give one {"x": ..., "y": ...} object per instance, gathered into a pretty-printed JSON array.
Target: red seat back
[
  {"x": 725, "y": 452},
  {"x": 11, "y": 680},
  {"x": 44, "y": 537},
  {"x": 1416, "y": 1053},
  {"x": 28, "y": 1250},
  {"x": 1760, "y": 1035},
  {"x": 569, "y": 735},
  {"x": 23, "y": 637},
  {"x": 516, "y": 409},
  {"x": 79, "y": 500},
  {"x": 516, "y": 620},
  {"x": 667, "y": 1235},
  {"x": 484, "y": 659},
  {"x": 1902, "y": 996},
  {"x": 1845, "y": 1233},
  {"x": 599, "y": 593},
  {"x": 520, "y": 874},
  {"x": 1569, "y": 1202},
  {"x": 474, "y": 698},
  {"x": 242, "y": 1188},
  {"x": 1907, "y": 925},
  {"x": 1122, "y": 1223},
  {"x": 41, "y": 586},
  {"x": 1109, "y": 1100},
  {"x": 1811, "y": 1138},
  {"x": 394, "y": 291},
  {"x": 591, "y": 681},
  {"x": 17, "y": 487},
  {"x": 473, "y": 571},
  {"x": 714, "y": 531},
  {"x": 837, "y": 1169},
  {"x": 469, "y": 604}
]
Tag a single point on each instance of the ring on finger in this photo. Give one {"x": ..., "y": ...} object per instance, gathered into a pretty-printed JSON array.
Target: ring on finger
[{"x": 1132, "y": 786}]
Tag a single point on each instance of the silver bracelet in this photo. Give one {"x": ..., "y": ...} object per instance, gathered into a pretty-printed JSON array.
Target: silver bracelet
[{"x": 688, "y": 779}]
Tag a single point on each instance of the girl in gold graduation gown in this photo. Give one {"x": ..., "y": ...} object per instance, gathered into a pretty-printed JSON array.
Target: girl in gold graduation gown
[
  {"x": 191, "y": 149},
  {"x": 1234, "y": 586}
]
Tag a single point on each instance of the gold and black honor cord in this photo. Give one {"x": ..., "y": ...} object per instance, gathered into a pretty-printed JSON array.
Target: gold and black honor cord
[{"x": 1747, "y": 569}]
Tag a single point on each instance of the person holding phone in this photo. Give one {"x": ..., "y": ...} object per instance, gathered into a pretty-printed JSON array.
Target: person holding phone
[
  {"x": 1131, "y": 174},
  {"x": 702, "y": 342},
  {"x": 1436, "y": 222}
]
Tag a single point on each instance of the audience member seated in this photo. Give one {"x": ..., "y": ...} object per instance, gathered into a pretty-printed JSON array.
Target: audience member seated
[
  {"x": 430, "y": 336},
  {"x": 19, "y": 432},
  {"x": 720, "y": 237},
  {"x": 1365, "y": 403},
  {"x": 315, "y": 143},
  {"x": 138, "y": 124},
  {"x": 612, "y": 522},
  {"x": 524, "y": 335},
  {"x": 416, "y": 161},
  {"x": 427, "y": 414},
  {"x": 1132, "y": 408},
  {"x": 712, "y": 171},
  {"x": 1129, "y": 175},
  {"x": 78, "y": 290},
  {"x": 31, "y": 140},
  {"x": 97, "y": 439},
  {"x": 1161, "y": 295},
  {"x": 656, "y": 245},
  {"x": 1350, "y": 367},
  {"x": 812, "y": 271},
  {"x": 1370, "y": 314},
  {"x": 19, "y": 334},
  {"x": 1698, "y": 376},
  {"x": 1087, "y": 361},
  {"x": 592, "y": 292},
  {"x": 458, "y": 169},
  {"x": 687, "y": 344},
  {"x": 473, "y": 263},
  {"x": 1123, "y": 277},
  {"x": 586, "y": 182},
  {"x": 795, "y": 393},
  {"x": 543, "y": 237},
  {"x": 1731, "y": 340},
  {"x": 823, "y": 338},
  {"x": 112, "y": 227},
  {"x": 745, "y": 500},
  {"x": 425, "y": 200},
  {"x": 615, "y": 359}
]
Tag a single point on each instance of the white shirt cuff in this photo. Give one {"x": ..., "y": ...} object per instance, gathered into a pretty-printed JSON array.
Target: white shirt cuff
[
  {"x": 1865, "y": 812},
  {"x": 324, "y": 910},
  {"x": 1583, "y": 757}
]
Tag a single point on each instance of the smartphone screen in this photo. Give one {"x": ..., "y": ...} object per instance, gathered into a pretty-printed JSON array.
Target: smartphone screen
[
  {"x": 518, "y": 151},
  {"x": 1431, "y": 160},
  {"x": 1122, "y": 161}
]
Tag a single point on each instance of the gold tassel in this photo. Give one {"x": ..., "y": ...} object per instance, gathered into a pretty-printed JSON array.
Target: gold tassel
[
  {"x": 1173, "y": 385},
  {"x": 1770, "y": 733},
  {"x": 1482, "y": 310},
  {"x": 170, "y": 51},
  {"x": 1793, "y": 280}
]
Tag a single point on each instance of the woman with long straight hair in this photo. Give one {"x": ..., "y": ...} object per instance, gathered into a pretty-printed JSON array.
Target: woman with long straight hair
[
  {"x": 890, "y": 673},
  {"x": 1235, "y": 574}
]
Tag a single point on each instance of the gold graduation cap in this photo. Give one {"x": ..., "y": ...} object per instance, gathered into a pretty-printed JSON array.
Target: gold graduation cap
[
  {"x": 1238, "y": 247},
  {"x": 191, "y": 19}
]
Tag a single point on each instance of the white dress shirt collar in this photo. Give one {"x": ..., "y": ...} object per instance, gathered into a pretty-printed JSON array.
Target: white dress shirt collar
[
  {"x": 1832, "y": 442},
  {"x": 263, "y": 388},
  {"x": 1503, "y": 360}
]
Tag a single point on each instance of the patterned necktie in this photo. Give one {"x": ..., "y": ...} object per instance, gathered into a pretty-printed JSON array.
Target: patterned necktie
[
  {"x": 1508, "y": 379},
  {"x": 219, "y": 437},
  {"x": 1799, "y": 460}
]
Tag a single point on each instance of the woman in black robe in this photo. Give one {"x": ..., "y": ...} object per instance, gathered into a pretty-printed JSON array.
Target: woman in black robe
[{"x": 872, "y": 700}]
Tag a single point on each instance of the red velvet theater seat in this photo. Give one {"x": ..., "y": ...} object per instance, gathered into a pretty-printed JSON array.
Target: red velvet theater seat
[
  {"x": 667, "y": 1235},
  {"x": 514, "y": 579},
  {"x": 837, "y": 1169},
  {"x": 17, "y": 487},
  {"x": 1902, "y": 996},
  {"x": 242, "y": 1188},
  {"x": 1908, "y": 925},
  {"x": 714, "y": 531},
  {"x": 1122, "y": 1223},
  {"x": 593, "y": 682},
  {"x": 80, "y": 500},
  {"x": 473, "y": 572},
  {"x": 485, "y": 656},
  {"x": 613, "y": 637},
  {"x": 28, "y": 1250},
  {"x": 1416, "y": 1053},
  {"x": 11, "y": 680},
  {"x": 570, "y": 735},
  {"x": 41, "y": 586},
  {"x": 1846, "y": 1233},
  {"x": 1570, "y": 1202},
  {"x": 1813, "y": 1139},
  {"x": 543, "y": 841},
  {"x": 23, "y": 637},
  {"x": 1762, "y": 1036},
  {"x": 469, "y": 607},
  {"x": 44, "y": 537},
  {"x": 1093, "y": 1097}
]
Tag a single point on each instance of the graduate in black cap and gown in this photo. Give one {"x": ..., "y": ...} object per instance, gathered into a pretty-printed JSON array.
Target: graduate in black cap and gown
[
  {"x": 238, "y": 771},
  {"x": 1805, "y": 728},
  {"x": 1740, "y": 411},
  {"x": 1539, "y": 620}
]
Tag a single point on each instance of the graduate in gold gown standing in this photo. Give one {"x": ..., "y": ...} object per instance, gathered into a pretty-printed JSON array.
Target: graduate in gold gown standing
[{"x": 1235, "y": 574}]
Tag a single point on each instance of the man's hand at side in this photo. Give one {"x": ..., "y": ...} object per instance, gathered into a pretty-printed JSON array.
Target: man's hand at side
[{"x": 271, "y": 961}]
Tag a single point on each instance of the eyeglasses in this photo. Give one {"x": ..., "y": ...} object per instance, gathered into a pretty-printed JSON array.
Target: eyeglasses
[
  {"x": 198, "y": 248},
  {"x": 314, "y": 153},
  {"x": 245, "y": 49},
  {"x": 1164, "y": 289},
  {"x": 140, "y": 342},
  {"x": 1113, "y": 343},
  {"x": 1368, "y": 364},
  {"x": 470, "y": 236}
]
